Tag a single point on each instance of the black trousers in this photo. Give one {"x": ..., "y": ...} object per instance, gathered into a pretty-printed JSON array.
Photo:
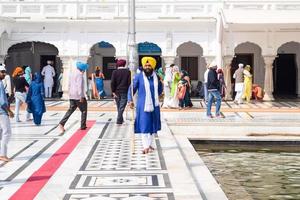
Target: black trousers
[
  {"x": 73, "y": 106},
  {"x": 121, "y": 101}
]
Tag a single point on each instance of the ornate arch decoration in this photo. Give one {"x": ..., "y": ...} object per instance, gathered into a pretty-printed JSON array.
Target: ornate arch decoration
[
  {"x": 248, "y": 43},
  {"x": 30, "y": 45},
  {"x": 190, "y": 44},
  {"x": 148, "y": 48}
]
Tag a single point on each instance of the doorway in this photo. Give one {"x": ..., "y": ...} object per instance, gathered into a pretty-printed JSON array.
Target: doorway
[
  {"x": 190, "y": 64},
  {"x": 45, "y": 58},
  {"x": 285, "y": 75},
  {"x": 244, "y": 58},
  {"x": 109, "y": 65},
  {"x": 43, "y": 62}
]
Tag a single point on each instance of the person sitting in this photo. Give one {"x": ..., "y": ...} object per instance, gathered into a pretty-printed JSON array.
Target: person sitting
[{"x": 257, "y": 92}]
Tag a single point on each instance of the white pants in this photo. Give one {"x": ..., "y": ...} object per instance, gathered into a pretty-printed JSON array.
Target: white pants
[
  {"x": 5, "y": 133},
  {"x": 20, "y": 98},
  {"x": 48, "y": 91},
  {"x": 147, "y": 140},
  {"x": 167, "y": 96},
  {"x": 239, "y": 88}
]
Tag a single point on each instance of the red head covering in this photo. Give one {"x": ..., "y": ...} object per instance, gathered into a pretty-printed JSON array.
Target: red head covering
[{"x": 121, "y": 63}]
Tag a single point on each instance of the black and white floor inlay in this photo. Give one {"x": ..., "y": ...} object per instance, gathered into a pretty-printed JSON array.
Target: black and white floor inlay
[{"x": 112, "y": 171}]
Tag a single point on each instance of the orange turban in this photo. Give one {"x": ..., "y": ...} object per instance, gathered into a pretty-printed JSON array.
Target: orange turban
[
  {"x": 149, "y": 60},
  {"x": 17, "y": 71}
]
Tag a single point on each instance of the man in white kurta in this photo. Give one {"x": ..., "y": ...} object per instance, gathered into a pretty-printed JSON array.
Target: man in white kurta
[{"x": 48, "y": 73}]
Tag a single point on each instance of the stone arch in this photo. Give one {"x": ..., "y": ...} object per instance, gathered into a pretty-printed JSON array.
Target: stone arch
[
  {"x": 149, "y": 49},
  {"x": 102, "y": 54},
  {"x": 32, "y": 53},
  {"x": 189, "y": 56},
  {"x": 250, "y": 53},
  {"x": 287, "y": 64}
]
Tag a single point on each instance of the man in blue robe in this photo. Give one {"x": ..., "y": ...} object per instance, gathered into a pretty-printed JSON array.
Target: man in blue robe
[{"x": 149, "y": 88}]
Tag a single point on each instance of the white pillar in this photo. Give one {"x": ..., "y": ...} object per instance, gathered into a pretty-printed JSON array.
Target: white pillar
[
  {"x": 219, "y": 36},
  {"x": 2, "y": 59},
  {"x": 268, "y": 83},
  {"x": 66, "y": 65},
  {"x": 168, "y": 60},
  {"x": 132, "y": 54},
  {"x": 209, "y": 59},
  {"x": 227, "y": 76}
]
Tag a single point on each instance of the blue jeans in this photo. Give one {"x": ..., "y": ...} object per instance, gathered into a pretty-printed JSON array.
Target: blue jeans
[
  {"x": 121, "y": 101},
  {"x": 211, "y": 95}
]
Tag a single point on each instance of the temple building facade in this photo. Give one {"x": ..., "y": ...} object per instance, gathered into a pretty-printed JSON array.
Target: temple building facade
[{"x": 263, "y": 34}]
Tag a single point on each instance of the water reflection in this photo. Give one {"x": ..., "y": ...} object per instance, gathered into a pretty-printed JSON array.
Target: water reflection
[{"x": 247, "y": 175}]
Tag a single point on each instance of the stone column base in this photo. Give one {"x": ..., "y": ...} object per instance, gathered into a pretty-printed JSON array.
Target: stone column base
[
  {"x": 228, "y": 98},
  {"x": 65, "y": 96},
  {"x": 268, "y": 97}
]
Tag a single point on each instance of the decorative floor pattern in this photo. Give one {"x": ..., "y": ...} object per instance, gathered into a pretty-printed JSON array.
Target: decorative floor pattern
[
  {"x": 116, "y": 155},
  {"x": 121, "y": 181},
  {"x": 154, "y": 196},
  {"x": 103, "y": 166},
  {"x": 110, "y": 165}
]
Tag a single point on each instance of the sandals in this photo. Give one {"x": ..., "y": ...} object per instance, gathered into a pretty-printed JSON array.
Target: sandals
[
  {"x": 148, "y": 150},
  {"x": 145, "y": 151},
  {"x": 151, "y": 148},
  {"x": 61, "y": 128},
  {"x": 5, "y": 159}
]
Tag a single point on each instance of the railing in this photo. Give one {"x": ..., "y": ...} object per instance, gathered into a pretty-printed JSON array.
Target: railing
[
  {"x": 106, "y": 9},
  {"x": 118, "y": 9}
]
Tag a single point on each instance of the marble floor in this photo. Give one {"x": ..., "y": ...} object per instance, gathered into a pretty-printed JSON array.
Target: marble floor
[{"x": 101, "y": 163}]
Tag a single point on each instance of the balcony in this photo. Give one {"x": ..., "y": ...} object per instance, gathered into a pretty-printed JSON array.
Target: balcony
[{"x": 145, "y": 10}]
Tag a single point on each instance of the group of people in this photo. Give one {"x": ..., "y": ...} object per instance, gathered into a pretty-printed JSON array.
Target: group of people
[
  {"x": 243, "y": 85},
  {"x": 148, "y": 84},
  {"x": 28, "y": 89},
  {"x": 176, "y": 87}
]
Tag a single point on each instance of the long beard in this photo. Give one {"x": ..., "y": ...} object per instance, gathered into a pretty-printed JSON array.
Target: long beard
[{"x": 148, "y": 72}]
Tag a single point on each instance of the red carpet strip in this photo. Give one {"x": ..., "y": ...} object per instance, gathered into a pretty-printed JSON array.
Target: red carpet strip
[{"x": 39, "y": 178}]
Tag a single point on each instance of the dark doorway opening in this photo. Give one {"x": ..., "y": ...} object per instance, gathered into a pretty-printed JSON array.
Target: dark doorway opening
[
  {"x": 285, "y": 75},
  {"x": 109, "y": 65},
  {"x": 45, "y": 58},
  {"x": 190, "y": 64},
  {"x": 244, "y": 58},
  {"x": 43, "y": 61},
  {"x": 157, "y": 58}
]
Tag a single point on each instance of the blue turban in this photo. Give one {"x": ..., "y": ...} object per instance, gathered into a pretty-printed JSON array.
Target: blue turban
[{"x": 82, "y": 66}]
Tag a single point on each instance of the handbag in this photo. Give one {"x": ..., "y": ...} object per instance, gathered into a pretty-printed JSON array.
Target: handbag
[{"x": 181, "y": 91}]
